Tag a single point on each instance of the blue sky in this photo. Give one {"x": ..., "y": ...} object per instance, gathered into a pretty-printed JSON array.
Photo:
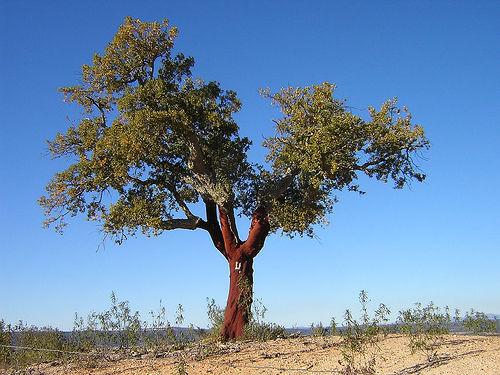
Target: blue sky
[{"x": 438, "y": 241}]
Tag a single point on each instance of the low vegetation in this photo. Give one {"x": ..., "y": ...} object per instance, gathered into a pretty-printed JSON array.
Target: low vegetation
[
  {"x": 425, "y": 327},
  {"x": 359, "y": 347},
  {"x": 478, "y": 322},
  {"x": 120, "y": 332}
]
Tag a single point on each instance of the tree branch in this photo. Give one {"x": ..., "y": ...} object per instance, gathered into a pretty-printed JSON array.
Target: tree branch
[
  {"x": 259, "y": 229},
  {"x": 213, "y": 226},
  {"x": 230, "y": 240},
  {"x": 170, "y": 187},
  {"x": 181, "y": 202},
  {"x": 280, "y": 186},
  {"x": 366, "y": 165},
  {"x": 190, "y": 224},
  {"x": 99, "y": 107}
]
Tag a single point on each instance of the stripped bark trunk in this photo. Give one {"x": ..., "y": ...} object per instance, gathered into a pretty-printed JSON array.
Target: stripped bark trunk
[
  {"x": 240, "y": 259},
  {"x": 239, "y": 299}
]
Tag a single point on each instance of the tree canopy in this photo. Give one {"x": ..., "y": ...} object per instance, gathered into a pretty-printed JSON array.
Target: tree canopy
[{"x": 154, "y": 141}]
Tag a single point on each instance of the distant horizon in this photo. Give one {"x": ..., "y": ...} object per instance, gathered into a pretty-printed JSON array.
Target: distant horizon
[{"x": 170, "y": 316}]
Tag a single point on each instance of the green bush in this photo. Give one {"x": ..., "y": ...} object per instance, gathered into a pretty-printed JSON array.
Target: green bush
[
  {"x": 425, "y": 326},
  {"x": 317, "y": 330},
  {"x": 359, "y": 345},
  {"x": 333, "y": 327},
  {"x": 216, "y": 318},
  {"x": 49, "y": 339},
  {"x": 5, "y": 339},
  {"x": 159, "y": 335},
  {"x": 478, "y": 322}
]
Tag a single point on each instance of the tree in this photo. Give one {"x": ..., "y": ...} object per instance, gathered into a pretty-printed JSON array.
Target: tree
[{"x": 155, "y": 142}]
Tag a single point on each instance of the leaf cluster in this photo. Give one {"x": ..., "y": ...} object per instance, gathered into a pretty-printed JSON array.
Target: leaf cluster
[{"x": 154, "y": 140}]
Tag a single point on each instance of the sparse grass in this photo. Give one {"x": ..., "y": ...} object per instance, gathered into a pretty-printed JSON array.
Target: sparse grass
[
  {"x": 260, "y": 330},
  {"x": 120, "y": 332}
]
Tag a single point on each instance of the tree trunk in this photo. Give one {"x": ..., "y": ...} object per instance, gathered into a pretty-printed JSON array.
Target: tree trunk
[
  {"x": 239, "y": 300},
  {"x": 239, "y": 255}
]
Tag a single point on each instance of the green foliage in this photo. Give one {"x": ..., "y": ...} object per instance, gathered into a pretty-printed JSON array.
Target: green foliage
[
  {"x": 333, "y": 327},
  {"x": 5, "y": 339},
  {"x": 47, "y": 338},
  {"x": 215, "y": 315},
  {"x": 478, "y": 322},
  {"x": 317, "y": 330},
  {"x": 359, "y": 338},
  {"x": 323, "y": 147},
  {"x": 425, "y": 326},
  {"x": 155, "y": 140}
]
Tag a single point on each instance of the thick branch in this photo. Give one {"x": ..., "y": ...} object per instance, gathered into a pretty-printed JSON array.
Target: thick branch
[
  {"x": 232, "y": 222},
  {"x": 213, "y": 226},
  {"x": 181, "y": 202},
  {"x": 259, "y": 229},
  {"x": 230, "y": 240},
  {"x": 190, "y": 224},
  {"x": 363, "y": 167}
]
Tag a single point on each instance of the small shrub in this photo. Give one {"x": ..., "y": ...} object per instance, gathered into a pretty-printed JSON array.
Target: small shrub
[
  {"x": 158, "y": 335},
  {"x": 359, "y": 345},
  {"x": 425, "y": 326},
  {"x": 333, "y": 327},
  {"x": 478, "y": 322},
  {"x": 258, "y": 329},
  {"x": 318, "y": 330},
  {"x": 124, "y": 325},
  {"x": 37, "y": 338},
  {"x": 117, "y": 327},
  {"x": 216, "y": 318},
  {"x": 5, "y": 339},
  {"x": 180, "y": 368},
  {"x": 84, "y": 335}
]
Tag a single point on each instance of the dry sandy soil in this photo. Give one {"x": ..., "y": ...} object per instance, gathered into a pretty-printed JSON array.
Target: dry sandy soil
[{"x": 461, "y": 355}]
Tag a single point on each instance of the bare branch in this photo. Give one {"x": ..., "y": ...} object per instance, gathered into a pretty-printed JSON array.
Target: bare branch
[{"x": 99, "y": 107}]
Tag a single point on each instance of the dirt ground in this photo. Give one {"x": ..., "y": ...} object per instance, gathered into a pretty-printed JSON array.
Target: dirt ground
[{"x": 460, "y": 355}]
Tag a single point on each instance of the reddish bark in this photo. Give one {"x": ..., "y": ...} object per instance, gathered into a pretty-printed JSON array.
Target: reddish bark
[
  {"x": 240, "y": 259},
  {"x": 239, "y": 299}
]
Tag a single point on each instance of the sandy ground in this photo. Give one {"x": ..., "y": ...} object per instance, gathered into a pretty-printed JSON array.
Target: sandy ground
[{"x": 460, "y": 355}]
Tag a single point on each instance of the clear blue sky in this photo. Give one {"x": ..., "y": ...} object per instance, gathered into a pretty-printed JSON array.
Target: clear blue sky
[{"x": 439, "y": 241}]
